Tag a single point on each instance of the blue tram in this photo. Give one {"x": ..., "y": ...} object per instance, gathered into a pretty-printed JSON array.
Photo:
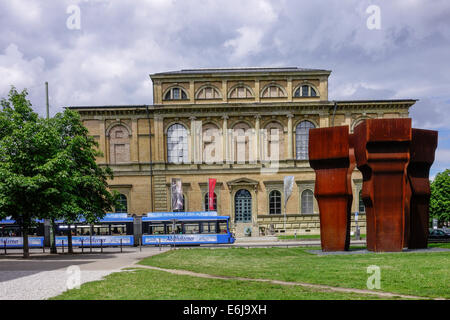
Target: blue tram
[
  {"x": 114, "y": 229},
  {"x": 12, "y": 237},
  {"x": 185, "y": 228}
]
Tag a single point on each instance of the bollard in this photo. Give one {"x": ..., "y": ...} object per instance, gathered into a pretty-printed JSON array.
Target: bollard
[
  {"x": 4, "y": 243},
  {"x": 120, "y": 245},
  {"x": 43, "y": 248},
  {"x": 101, "y": 245},
  {"x": 140, "y": 245},
  {"x": 159, "y": 243},
  {"x": 62, "y": 246},
  {"x": 82, "y": 246},
  {"x": 90, "y": 244}
]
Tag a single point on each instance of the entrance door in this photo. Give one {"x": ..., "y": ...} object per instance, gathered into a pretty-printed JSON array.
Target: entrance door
[{"x": 243, "y": 206}]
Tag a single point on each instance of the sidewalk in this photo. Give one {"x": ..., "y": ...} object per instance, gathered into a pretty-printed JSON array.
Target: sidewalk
[
  {"x": 45, "y": 275},
  {"x": 274, "y": 241}
]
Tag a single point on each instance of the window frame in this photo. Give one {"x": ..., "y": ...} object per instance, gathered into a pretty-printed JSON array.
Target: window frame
[
  {"x": 184, "y": 155},
  {"x": 271, "y": 196},
  {"x": 302, "y": 140},
  {"x": 305, "y": 203},
  {"x": 170, "y": 92}
]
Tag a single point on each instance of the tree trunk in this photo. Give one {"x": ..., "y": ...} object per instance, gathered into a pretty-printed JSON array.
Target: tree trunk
[
  {"x": 53, "y": 244},
  {"x": 26, "y": 250},
  {"x": 69, "y": 240}
]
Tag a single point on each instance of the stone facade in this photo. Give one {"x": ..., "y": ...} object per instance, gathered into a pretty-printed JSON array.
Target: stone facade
[{"x": 137, "y": 142}]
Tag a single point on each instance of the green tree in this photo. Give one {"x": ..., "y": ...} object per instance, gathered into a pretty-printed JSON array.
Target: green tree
[
  {"x": 80, "y": 185},
  {"x": 24, "y": 149},
  {"x": 48, "y": 168},
  {"x": 440, "y": 197}
]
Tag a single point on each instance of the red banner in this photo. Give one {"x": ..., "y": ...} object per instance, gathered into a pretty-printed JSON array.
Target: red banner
[{"x": 212, "y": 185}]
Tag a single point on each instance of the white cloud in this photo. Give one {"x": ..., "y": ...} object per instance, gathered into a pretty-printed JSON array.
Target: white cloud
[
  {"x": 247, "y": 43},
  {"x": 17, "y": 70}
]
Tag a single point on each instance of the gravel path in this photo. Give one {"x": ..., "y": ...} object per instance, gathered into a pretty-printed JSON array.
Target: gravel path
[{"x": 45, "y": 276}]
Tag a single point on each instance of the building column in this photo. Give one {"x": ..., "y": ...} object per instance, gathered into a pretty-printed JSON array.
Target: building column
[
  {"x": 225, "y": 138},
  {"x": 257, "y": 149},
  {"x": 192, "y": 140},
  {"x": 324, "y": 120},
  {"x": 102, "y": 141},
  {"x": 134, "y": 150},
  {"x": 290, "y": 147},
  {"x": 159, "y": 139}
]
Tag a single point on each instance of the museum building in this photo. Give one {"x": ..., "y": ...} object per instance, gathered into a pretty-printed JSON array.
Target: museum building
[{"x": 245, "y": 127}]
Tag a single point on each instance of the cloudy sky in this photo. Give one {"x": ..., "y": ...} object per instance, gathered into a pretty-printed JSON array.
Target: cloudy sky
[{"x": 105, "y": 54}]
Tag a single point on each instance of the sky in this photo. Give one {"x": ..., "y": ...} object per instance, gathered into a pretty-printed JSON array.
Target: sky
[{"x": 99, "y": 52}]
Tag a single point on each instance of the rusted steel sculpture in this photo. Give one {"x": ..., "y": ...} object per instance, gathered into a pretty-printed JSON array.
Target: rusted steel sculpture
[
  {"x": 382, "y": 155},
  {"x": 351, "y": 168},
  {"x": 423, "y": 147},
  {"x": 329, "y": 157}
]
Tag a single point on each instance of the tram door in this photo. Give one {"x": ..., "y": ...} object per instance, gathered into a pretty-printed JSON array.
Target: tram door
[{"x": 243, "y": 206}]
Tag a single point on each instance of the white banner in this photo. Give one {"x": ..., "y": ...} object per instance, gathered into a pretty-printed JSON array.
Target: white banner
[{"x": 288, "y": 186}]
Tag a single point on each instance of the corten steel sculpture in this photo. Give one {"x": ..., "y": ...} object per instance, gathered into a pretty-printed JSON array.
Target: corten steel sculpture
[
  {"x": 382, "y": 155},
  {"x": 329, "y": 157},
  {"x": 351, "y": 168},
  {"x": 423, "y": 147}
]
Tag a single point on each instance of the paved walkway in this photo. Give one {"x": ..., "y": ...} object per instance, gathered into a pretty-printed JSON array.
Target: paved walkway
[{"x": 44, "y": 276}]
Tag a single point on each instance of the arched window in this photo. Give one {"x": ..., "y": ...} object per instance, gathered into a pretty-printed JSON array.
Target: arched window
[
  {"x": 273, "y": 142},
  {"x": 362, "y": 208},
  {"x": 176, "y": 93},
  {"x": 243, "y": 206},
  {"x": 241, "y": 142},
  {"x": 119, "y": 144},
  {"x": 307, "y": 202},
  {"x": 357, "y": 123},
  {"x": 212, "y": 144},
  {"x": 208, "y": 92},
  {"x": 305, "y": 91},
  {"x": 302, "y": 139},
  {"x": 275, "y": 202},
  {"x": 240, "y": 92},
  {"x": 273, "y": 91},
  {"x": 122, "y": 206},
  {"x": 177, "y": 144},
  {"x": 207, "y": 202}
]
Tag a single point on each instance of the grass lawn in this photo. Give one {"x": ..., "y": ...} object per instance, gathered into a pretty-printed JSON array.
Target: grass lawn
[
  {"x": 418, "y": 274},
  {"x": 159, "y": 285}
]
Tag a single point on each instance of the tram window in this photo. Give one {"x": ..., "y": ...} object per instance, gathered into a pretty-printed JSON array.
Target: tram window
[
  {"x": 178, "y": 228},
  {"x": 191, "y": 228},
  {"x": 118, "y": 229},
  {"x": 222, "y": 227},
  {"x": 101, "y": 230},
  {"x": 11, "y": 232},
  {"x": 209, "y": 227},
  {"x": 83, "y": 230},
  {"x": 156, "y": 229}
]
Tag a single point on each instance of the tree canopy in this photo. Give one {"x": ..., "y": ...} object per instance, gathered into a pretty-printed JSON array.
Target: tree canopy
[
  {"x": 440, "y": 197},
  {"x": 48, "y": 168}
]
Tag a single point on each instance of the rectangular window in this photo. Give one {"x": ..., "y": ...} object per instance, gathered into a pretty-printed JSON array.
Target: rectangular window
[
  {"x": 209, "y": 227},
  {"x": 191, "y": 228},
  {"x": 156, "y": 228},
  {"x": 100, "y": 230},
  {"x": 222, "y": 227},
  {"x": 176, "y": 93},
  {"x": 118, "y": 229}
]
